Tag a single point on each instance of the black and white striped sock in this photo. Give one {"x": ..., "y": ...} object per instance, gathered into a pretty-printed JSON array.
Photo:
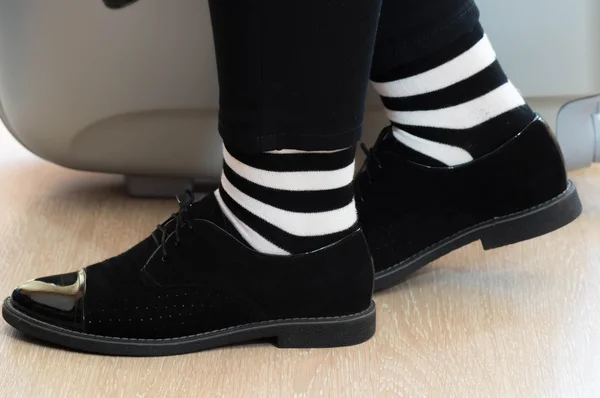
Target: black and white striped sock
[
  {"x": 455, "y": 105},
  {"x": 288, "y": 201}
]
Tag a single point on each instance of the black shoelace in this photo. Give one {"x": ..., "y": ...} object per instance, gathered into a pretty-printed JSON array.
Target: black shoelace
[
  {"x": 182, "y": 220},
  {"x": 370, "y": 158},
  {"x": 366, "y": 171}
]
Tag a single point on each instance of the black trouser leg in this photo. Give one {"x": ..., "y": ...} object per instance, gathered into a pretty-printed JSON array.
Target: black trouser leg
[
  {"x": 412, "y": 29},
  {"x": 293, "y": 73}
]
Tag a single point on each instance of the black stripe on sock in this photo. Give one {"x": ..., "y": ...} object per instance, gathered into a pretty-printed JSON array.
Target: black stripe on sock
[
  {"x": 441, "y": 57},
  {"x": 296, "y": 201},
  {"x": 298, "y": 162},
  {"x": 481, "y": 139},
  {"x": 282, "y": 239},
  {"x": 475, "y": 86}
]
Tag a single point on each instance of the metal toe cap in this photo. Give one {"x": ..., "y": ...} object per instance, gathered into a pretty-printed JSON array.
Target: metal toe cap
[{"x": 56, "y": 299}]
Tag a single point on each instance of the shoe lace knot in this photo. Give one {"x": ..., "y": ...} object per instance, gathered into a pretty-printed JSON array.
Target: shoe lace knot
[{"x": 182, "y": 220}]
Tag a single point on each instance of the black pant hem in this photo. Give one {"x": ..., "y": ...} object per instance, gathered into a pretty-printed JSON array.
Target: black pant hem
[{"x": 256, "y": 142}]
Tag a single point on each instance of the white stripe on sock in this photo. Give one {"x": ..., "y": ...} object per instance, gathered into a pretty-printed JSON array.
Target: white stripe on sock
[
  {"x": 299, "y": 224},
  {"x": 447, "y": 154},
  {"x": 292, "y": 180},
  {"x": 297, "y": 151},
  {"x": 474, "y": 60},
  {"x": 252, "y": 237},
  {"x": 464, "y": 116}
]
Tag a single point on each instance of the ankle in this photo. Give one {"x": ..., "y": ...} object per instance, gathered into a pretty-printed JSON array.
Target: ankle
[
  {"x": 289, "y": 202},
  {"x": 455, "y": 105}
]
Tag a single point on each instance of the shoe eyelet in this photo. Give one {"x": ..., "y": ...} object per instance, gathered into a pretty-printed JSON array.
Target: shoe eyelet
[
  {"x": 163, "y": 259},
  {"x": 176, "y": 243}
]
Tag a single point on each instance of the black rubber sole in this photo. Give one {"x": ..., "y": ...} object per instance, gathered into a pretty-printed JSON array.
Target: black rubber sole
[
  {"x": 290, "y": 333},
  {"x": 498, "y": 232}
]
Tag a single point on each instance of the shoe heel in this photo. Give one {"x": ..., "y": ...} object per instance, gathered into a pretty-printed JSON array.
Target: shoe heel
[
  {"x": 535, "y": 222},
  {"x": 334, "y": 332}
]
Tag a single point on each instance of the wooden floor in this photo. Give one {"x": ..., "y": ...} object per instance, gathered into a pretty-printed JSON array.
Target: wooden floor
[{"x": 522, "y": 321}]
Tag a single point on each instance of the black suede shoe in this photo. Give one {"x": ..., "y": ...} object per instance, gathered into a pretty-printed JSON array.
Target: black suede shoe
[
  {"x": 412, "y": 214},
  {"x": 192, "y": 286}
]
